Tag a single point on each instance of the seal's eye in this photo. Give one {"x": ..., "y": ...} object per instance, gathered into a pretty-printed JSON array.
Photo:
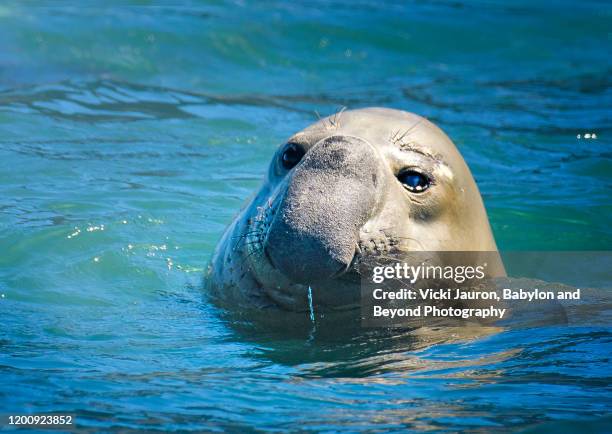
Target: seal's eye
[
  {"x": 291, "y": 156},
  {"x": 414, "y": 181}
]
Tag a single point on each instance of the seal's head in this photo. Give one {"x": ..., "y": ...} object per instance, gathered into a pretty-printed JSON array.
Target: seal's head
[{"x": 368, "y": 183}]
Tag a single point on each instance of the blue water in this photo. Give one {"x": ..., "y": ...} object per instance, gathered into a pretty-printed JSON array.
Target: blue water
[{"x": 131, "y": 135}]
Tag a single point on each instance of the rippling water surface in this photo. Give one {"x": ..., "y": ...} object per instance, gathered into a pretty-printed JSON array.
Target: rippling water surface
[{"x": 130, "y": 136}]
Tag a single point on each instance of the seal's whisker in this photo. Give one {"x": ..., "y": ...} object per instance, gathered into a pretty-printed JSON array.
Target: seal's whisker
[
  {"x": 237, "y": 244},
  {"x": 334, "y": 121},
  {"x": 395, "y": 137},
  {"x": 246, "y": 234},
  {"x": 382, "y": 256},
  {"x": 399, "y": 139},
  {"x": 254, "y": 252},
  {"x": 254, "y": 242},
  {"x": 338, "y": 115},
  {"x": 398, "y": 136},
  {"x": 256, "y": 232},
  {"x": 409, "y": 130},
  {"x": 420, "y": 244}
]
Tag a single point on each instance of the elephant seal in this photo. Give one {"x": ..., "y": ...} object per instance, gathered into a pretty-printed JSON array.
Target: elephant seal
[{"x": 358, "y": 185}]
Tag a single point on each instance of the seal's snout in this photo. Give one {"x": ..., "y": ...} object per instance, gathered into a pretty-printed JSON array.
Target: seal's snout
[{"x": 330, "y": 195}]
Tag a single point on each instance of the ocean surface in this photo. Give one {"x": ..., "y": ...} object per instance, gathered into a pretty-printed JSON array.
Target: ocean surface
[{"x": 131, "y": 135}]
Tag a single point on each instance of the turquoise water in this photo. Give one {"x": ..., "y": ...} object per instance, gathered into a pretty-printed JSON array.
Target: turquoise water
[{"x": 130, "y": 136}]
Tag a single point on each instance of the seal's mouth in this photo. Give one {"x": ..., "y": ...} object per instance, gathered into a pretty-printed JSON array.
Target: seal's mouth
[
  {"x": 259, "y": 252},
  {"x": 342, "y": 271},
  {"x": 335, "y": 291}
]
